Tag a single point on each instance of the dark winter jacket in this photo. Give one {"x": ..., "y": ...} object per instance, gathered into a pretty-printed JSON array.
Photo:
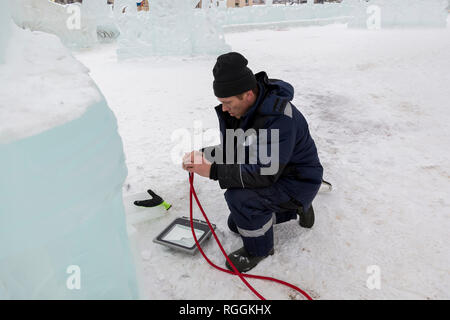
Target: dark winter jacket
[{"x": 299, "y": 170}]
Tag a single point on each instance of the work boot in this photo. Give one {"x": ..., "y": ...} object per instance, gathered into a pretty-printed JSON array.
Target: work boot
[
  {"x": 244, "y": 261},
  {"x": 306, "y": 220}
]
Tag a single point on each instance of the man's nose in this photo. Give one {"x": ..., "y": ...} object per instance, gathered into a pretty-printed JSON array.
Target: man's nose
[{"x": 225, "y": 109}]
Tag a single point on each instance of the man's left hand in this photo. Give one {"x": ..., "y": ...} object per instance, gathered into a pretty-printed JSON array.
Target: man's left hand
[{"x": 195, "y": 162}]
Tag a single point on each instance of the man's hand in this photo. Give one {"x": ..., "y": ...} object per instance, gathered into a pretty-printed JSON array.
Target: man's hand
[{"x": 197, "y": 163}]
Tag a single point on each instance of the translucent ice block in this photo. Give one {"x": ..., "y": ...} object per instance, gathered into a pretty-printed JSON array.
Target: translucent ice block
[
  {"x": 62, "y": 220},
  {"x": 61, "y": 206},
  {"x": 168, "y": 28},
  {"x": 77, "y": 25}
]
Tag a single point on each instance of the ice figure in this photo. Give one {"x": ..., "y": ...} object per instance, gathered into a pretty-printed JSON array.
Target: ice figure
[
  {"x": 62, "y": 223},
  {"x": 76, "y": 25},
  {"x": 168, "y": 28},
  {"x": 100, "y": 14},
  {"x": 125, "y": 14}
]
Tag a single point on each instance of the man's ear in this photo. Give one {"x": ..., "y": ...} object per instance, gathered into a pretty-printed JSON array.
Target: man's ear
[{"x": 249, "y": 95}]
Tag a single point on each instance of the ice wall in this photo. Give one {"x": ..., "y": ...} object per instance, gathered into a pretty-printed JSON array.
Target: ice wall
[
  {"x": 393, "y": 13},
  {"x": 169, "y": 28},
  {"x": 259, "y": 16},
  {"x": 398, "y": 13},
  {"x": 62, "y": 167},
  {"x": 101, "y": 15}
]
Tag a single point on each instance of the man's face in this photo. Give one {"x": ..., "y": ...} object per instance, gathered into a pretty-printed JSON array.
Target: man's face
[{"x": 235, "y": 106}]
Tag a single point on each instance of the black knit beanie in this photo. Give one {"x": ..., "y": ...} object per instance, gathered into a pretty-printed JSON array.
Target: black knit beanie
[{"x": 232, "y": 76}]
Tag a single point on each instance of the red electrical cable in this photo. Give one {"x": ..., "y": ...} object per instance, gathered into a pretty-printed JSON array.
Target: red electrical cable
[{"x": 236, "y": 272}]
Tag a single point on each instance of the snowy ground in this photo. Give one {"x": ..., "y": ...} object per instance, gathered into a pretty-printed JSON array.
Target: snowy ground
[{"x": 378, "y": 107}]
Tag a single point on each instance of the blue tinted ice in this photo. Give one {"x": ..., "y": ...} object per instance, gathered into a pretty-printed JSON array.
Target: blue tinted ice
[{"x": 61, "y": 205}]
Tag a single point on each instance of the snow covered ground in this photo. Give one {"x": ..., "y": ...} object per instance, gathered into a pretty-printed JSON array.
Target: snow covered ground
[{"x": 378, "y": 107}]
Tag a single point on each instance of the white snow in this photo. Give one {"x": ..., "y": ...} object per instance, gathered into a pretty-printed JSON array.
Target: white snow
[
  {"x": 377, "y": 103},
  {"x": 47, "y": 87}
]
